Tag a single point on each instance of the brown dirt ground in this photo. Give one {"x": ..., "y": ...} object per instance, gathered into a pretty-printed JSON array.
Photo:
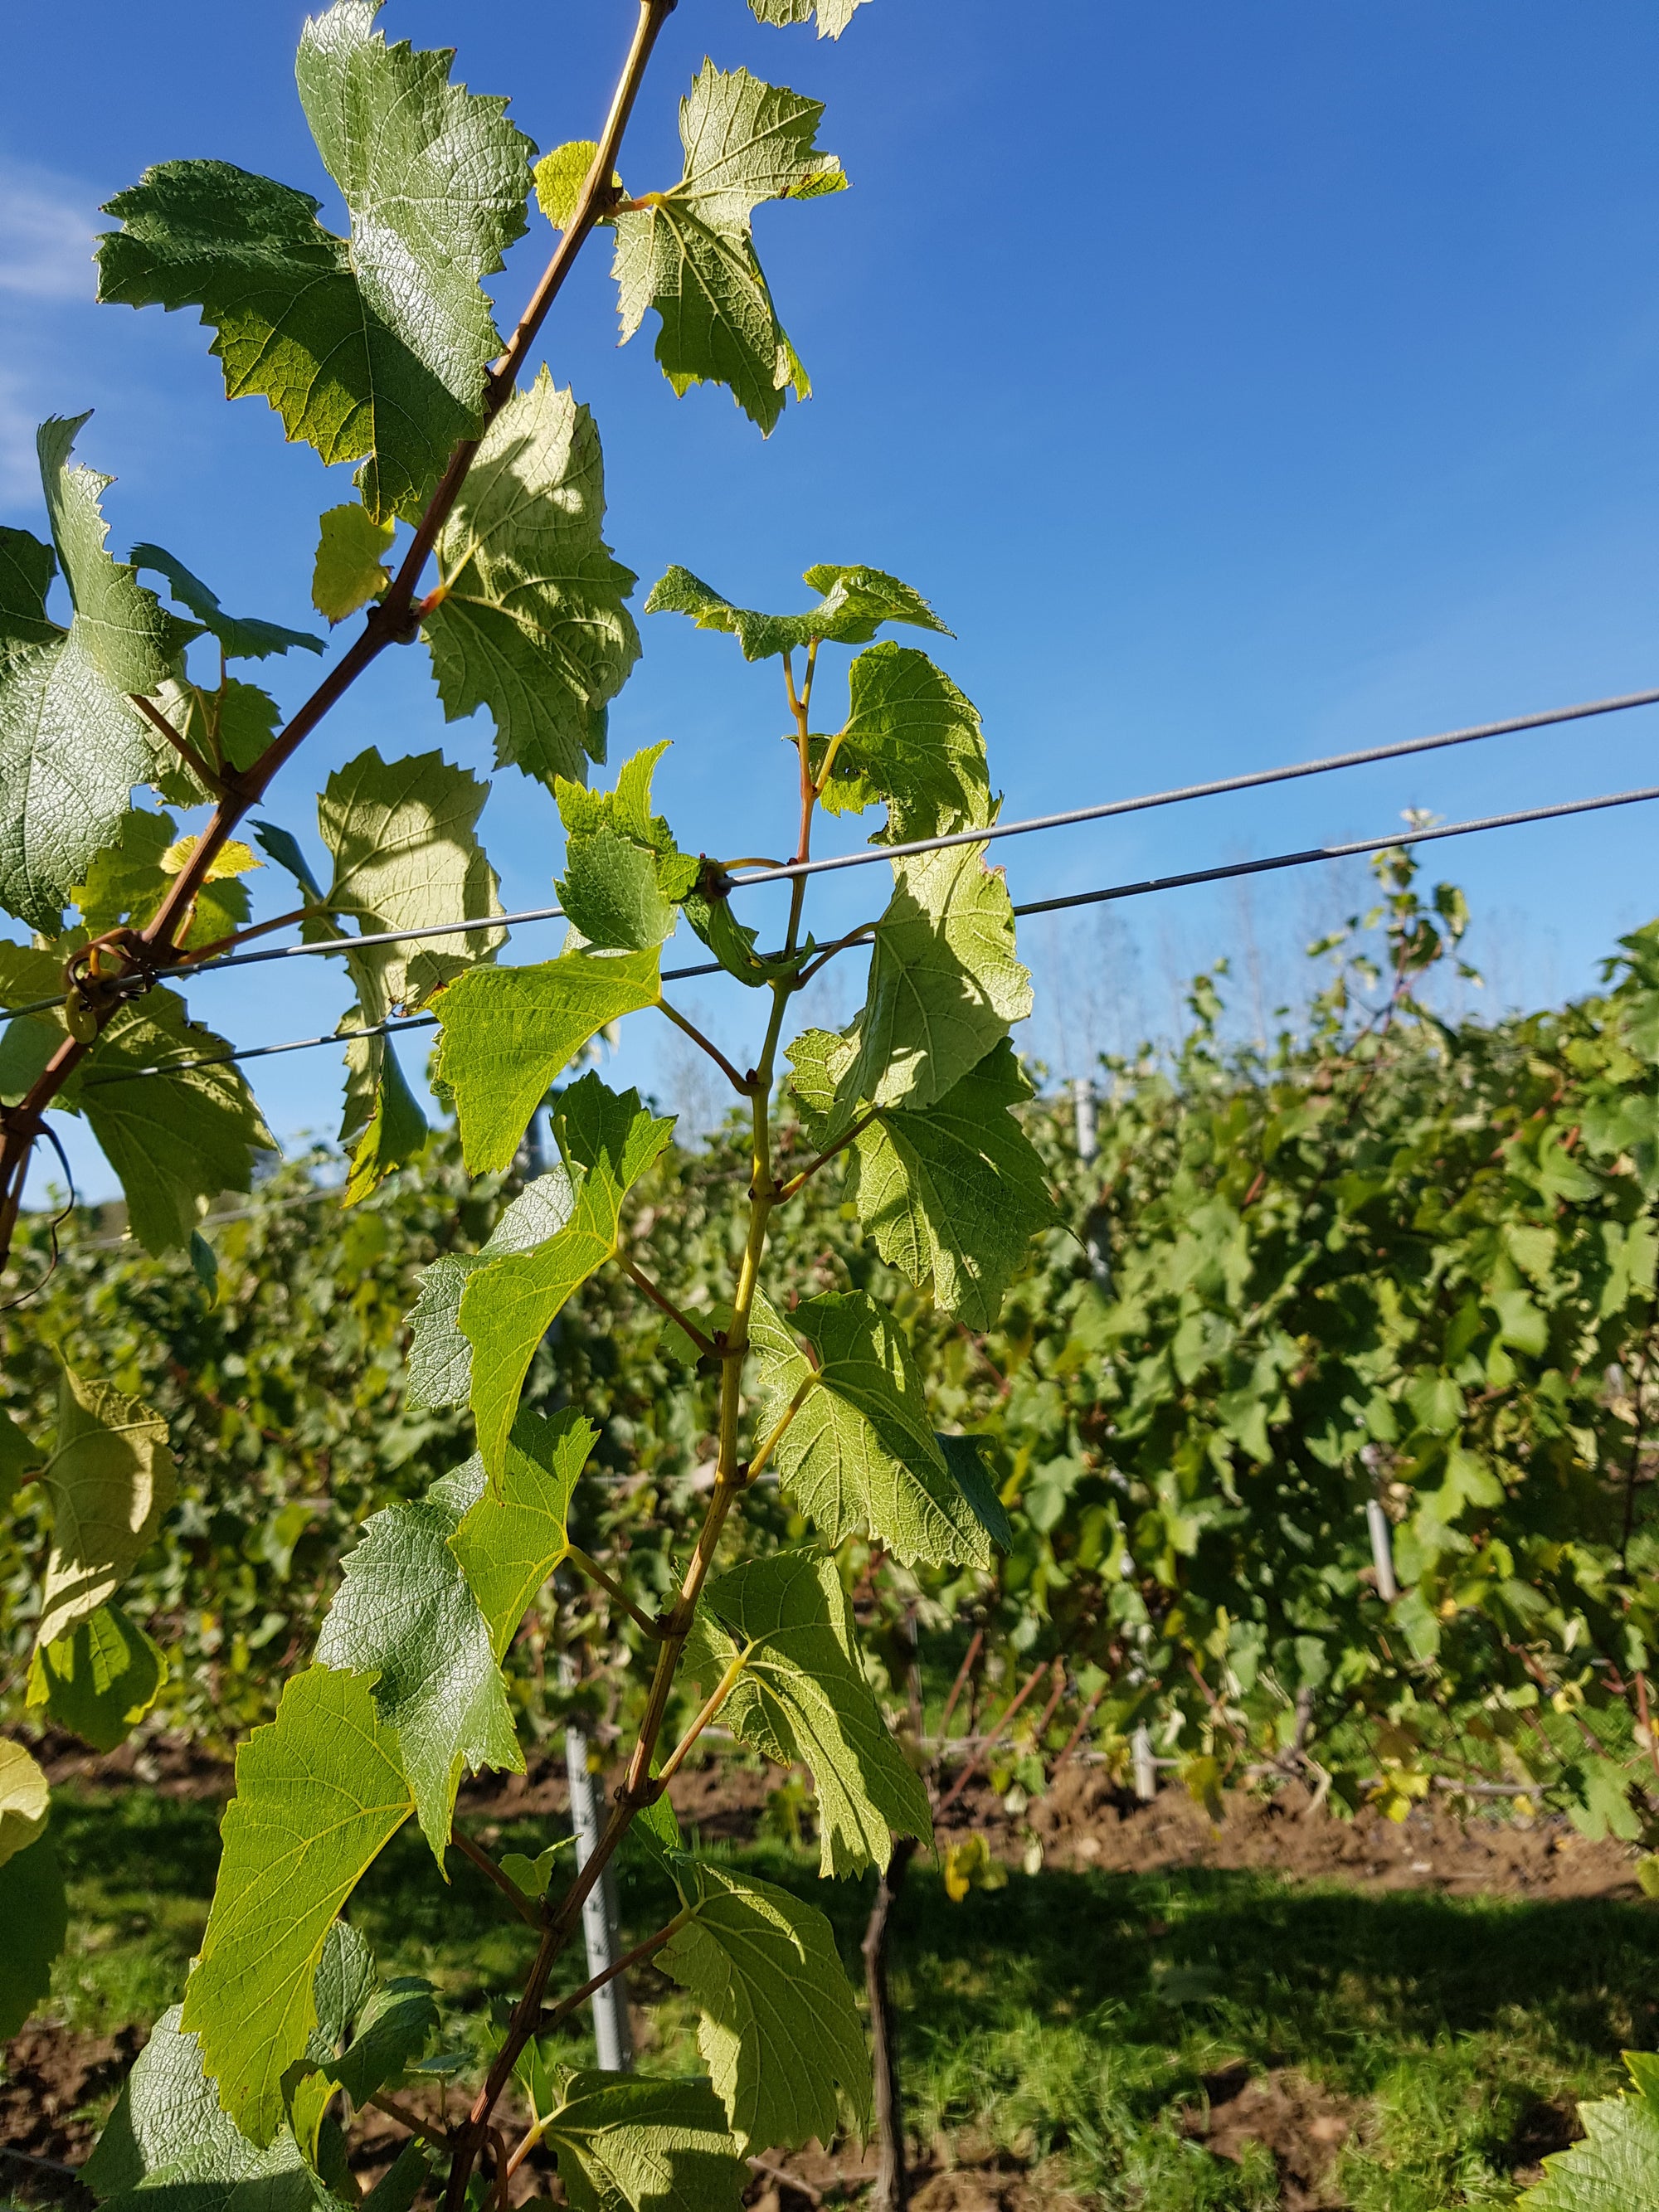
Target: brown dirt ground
[{"x": 52, "y": 2077}]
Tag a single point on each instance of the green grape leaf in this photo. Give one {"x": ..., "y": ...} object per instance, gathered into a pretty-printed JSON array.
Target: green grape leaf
[
  {"x": 531, "y": 1876},
  {"x": 861, "y": 1453},
  {"x": 244, "y": 637},
  {"x": 395, "y": 1132},
  {"x": 609, "y": 1141},
  {"x": 284, "y": 848},
  {"x": 72, "y": 745},
  {"x": 109, "y": 1481},
  {"x": 626, "y": 2144},
  {"x": 1615, "y": 2168},
  {"x": 20, "y": 1458},
  {"x": 33, "y": 1922},
  {"x": 943, "y": 982},
  {"x": 406, "y": 1616},
  {"x": 373, "y": 348},
  {"x": 854, "y": 605},
  {"x": 169, "y": 2143},
  {"x": 802, "y": 1700},
  {"x": 320, "y": 1792},
  {"x": 626, "y": 811},
  {"x": 779, "y": 2032},
  {"x": 129, "y": 880},
  {"x": 390, "y": 2034},
  {"x": 406, "y": 854},
  {"x": 515, "y": 1532},
  {"x": 965, "y": 1457},
  {"x": 560, "y": 177},
  {"x": 507, "y": 1032},
  {"x": 833, "y": 16},
  {"x": 912, "y": 738},
  {"x": 25, "y": 1800},
  {"x": 345, "y": 1979},
  {"x": 611, "y": 892},
  {"x": 101, "y": 1680},
  {"x": 950, "y": 1195},
  {"x": 175, "y": 1137},
  {"x": 440, "y": 1357},
  {"x": 530, "y": 620},
  {"x": 689, "y": 252},
  {"x": 347, "y": 574}
]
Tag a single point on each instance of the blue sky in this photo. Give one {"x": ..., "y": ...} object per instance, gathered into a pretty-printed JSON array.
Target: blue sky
[{"x": 1239, "y": 383}]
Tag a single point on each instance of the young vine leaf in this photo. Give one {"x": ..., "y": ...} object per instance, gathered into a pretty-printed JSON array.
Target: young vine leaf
[
  {"x": 25, "y": 1800},
  {"x": 320, "y": 1791},
  {"x": 802, "y": 1700},
  {"x": 440, "y": 1357},
  {"x": 912, "y": 738},
  {"x": 109, "y": 1480},
  {"x": 405, "y": 1617},
  {"x": 779, "y": 2030},
  {"x": 833, "y": 16},
  {"x": 854, "y": 604},
  {"x": 688, "y": 253},
  {"x": 33, "y": 1922},
  {"x": 241, "y": 637},
  {"x": 371, "y": 348},
  {"x": 530, "y": 618},
  {"x": 516, "y": 1531},
  {"x": 347, "y": 574},
  {"x": 507, "y": 1033},
  {"x": 72, "y": 745},
  {"x": 860, "y": 1456},
  {"x": 951, "y": 1194},
  {"x": 100, "y": 1678},
  {"x": 625, "y": 2143}
]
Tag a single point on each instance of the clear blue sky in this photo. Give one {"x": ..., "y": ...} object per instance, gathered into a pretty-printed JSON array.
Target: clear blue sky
[{"x": 1240, "y": 383}]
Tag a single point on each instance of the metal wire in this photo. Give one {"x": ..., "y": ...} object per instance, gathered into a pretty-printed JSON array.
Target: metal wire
[
  {"x": 1254, "y": 780},
  {"x": 1298, "y": 859}
]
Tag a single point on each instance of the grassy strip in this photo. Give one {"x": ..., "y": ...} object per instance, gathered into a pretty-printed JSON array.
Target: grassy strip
[{"x": 1072, "y": 2016}]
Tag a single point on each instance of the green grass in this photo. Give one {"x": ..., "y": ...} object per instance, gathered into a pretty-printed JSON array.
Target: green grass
[{"x": 1066, "y": 2015}]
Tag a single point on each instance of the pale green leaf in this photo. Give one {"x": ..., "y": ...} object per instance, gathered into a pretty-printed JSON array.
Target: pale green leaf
[
  {"x": 912, "y": 739},
  {"x": 802, "y": 1700},
  {"x": 406, "y": 1616},
  {"x": 833, "y": 16},
  {"x": 72, "y": 745},
  {"x": 25, "y": 1800},
  {"x": 244, "y": 637},
  {"x": 855, "y": 604},
  {"x": 109, "y": 1480},
  {"x": 129, "y": 880},
  {"x": 406, "y": 854},
  {"x": 170, "y": 2143},
  {"x": 20, "y": 1458},
  {"x": 624, "y": 875},
  {"x": 1616, "y": 2167},
  {"x": 26, "y": 1046},
  {"x": 952, "y": 1195},
  {"x": 395, "y": 1132},
  {"x": 348, "y": 573},
  {"x": 531, "y": 623},
  {"x": 560, "y": 177},
  {"x": 33, "y": 1922},
  {"x": 531, "y": 1876},
  {"x": 515, "y": 1532},
  {"x": 945, "y": 984},
  {"x": 626, "y": 2144},
  {"x": 965, "y": 1457},
  {"x": 440, "y": 1357},
  {"x": 860, "y": 1454},
  {"x": 373, "y": 348},
  {"x": 506, "y": 1305},
  {"x": 320, "y": 1792},
  {"x": 100, "y": 1679},
  {"x": 779, "y": 2033},
  {"x": 507, "y": 1032},
  {"x": 173, "y": 1138},
  {"x": 689, "y": 254}
]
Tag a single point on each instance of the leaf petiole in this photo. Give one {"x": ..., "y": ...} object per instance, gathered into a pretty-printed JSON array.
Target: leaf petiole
[{"x": 596, "y": 1573}]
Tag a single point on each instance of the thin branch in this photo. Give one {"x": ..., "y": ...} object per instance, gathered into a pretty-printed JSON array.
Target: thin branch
[
  {"x": 820, "y": 961},
  {"x": 706, "y": 1344},
  {"x": 523, "y": 1905},
  {"x": 428, "y": 2130},
  {"x": 566, "y": 2006},
  {"x": 961, "y": 1682},
  {"x": 191, "y": 759},
  {"x": 738, "y": 1083},
  {"x": 240, "y": 937},
  {"x": 1009, "y": 1711},
  {"x": 596, "y": 1573},
  {"x": 789, "y": 2180},
  {"x": 824, "y": 1159},
  {"x": 723, "y": 1689},
  {"x": 1077, "y": 1733}
]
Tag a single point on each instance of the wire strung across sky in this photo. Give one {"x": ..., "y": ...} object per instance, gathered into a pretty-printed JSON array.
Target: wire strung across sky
[
  {"x": 1308, "y": 855},
  {"x": 1252, "y": 780}
]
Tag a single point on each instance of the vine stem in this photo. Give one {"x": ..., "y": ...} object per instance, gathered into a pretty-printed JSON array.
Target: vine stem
[
  {"x": 487, "y": 1867},
  {"x": 737, "y": 1082},
  {"x": 388, "y": 622},
  {"x": 596, "y": 1573},
  {"x": 825, "y": 1157},
  {"x": 706, "y": 1344}
]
